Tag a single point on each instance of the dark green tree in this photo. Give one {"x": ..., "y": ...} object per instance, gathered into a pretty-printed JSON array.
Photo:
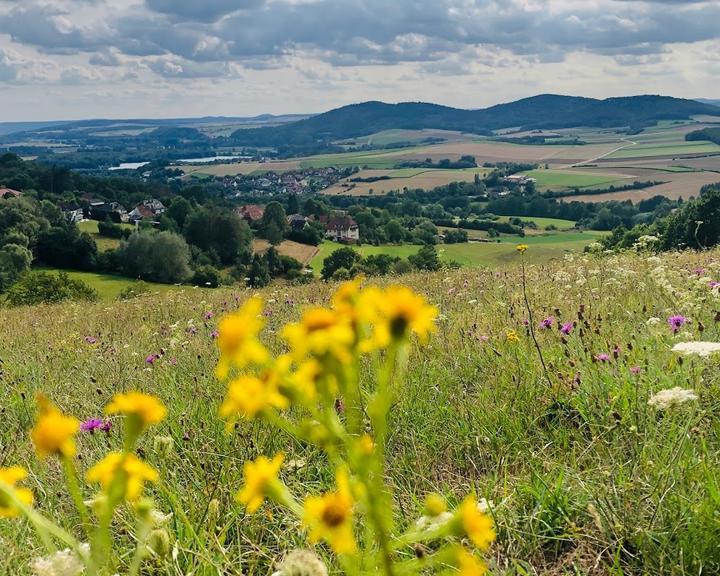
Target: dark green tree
[
  {"x": 341, "y": 258},
  {"x": 258, "y": 275}
]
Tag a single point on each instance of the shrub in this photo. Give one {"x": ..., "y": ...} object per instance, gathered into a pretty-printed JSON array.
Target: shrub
[
  {"x": 45, "y": 287},
  {"x": 207, "y": 276}
]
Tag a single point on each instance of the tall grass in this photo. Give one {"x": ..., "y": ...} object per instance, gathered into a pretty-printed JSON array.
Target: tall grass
[{"x": 581, "y": 475}]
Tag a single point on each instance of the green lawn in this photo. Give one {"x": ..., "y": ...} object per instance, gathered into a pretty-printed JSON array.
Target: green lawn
[
  {"x": 558, "y": 179},
  {"x": 542, "y": 248},
  {"x": 103, "y": 242},
  {"x": 109, "y": 286}
]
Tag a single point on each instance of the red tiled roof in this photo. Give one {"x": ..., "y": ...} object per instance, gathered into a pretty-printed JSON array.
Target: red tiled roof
[
  {"x": 9, "y": 192},
  {"x": 251, "y": 211}
]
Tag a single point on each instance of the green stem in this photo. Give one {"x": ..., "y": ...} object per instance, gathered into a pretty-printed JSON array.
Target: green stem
[{"x": 74, "y": 489}]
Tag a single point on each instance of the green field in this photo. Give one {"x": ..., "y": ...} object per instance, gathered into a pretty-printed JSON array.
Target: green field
[
  {"x": 542, "y": 222},
  {"x": 109, "y": 286},
  {"x": 559, "y": 180},
  {"x": 678, "y": 148},
  {"x": 378, "y": 160},
  {"x": 545, "y": 246},
  {"x": 103, "y": 242},
  {"x": 593, "y": 452}
]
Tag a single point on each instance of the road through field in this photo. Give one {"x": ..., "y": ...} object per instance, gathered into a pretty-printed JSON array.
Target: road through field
[{"x": 606, "y": 154}]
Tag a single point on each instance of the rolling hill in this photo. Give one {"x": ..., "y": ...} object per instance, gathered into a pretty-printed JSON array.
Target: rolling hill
[{"x": 544, "y": 111}]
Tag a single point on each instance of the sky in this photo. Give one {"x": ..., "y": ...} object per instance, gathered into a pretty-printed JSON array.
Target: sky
[{"x": 72, "y": 59}]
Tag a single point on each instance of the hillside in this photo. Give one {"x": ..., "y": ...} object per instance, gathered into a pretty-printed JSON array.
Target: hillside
[
  {"x": 584, "y": 467},
  {"x": 544, "y": 111}
]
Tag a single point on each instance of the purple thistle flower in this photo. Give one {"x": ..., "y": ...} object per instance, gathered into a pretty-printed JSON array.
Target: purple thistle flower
[
  {"x": 90, "y": 339},
  {"x": 713, "y": 284},
  {"x": 526, "y": 322},
  {"x": 635, "y": 370},
  {"x": 208, "y": 315},
  {"x": 676, "y": 322},
  {"x": 91, "y": 425},
  {"x": 547, "y": 323},
  {"x": 173, "y": 361},
  {"x": 699, "y": 271},
  {"x": 106, "y": 426},
  {"x": 214, "y": 334},
  {"x": 602, "y": 357},
  {"x": 151, "y": 359},
  {"x": 567, "y": 328},
  {"x": 191, "y": 330}
]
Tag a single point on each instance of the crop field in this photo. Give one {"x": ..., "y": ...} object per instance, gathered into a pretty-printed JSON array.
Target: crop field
[
  {"x": 566, "y": 179},
  {"x": 301, "y": 252},
  {"x": 671, "y": 149},
  {"x": 590, "y": 450},
  {"x": 387, "y": 137},
  {"x": 401, "y": 179}
]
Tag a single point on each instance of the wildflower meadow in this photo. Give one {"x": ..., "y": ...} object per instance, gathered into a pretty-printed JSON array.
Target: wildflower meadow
[{"x": 532, "y": 419}]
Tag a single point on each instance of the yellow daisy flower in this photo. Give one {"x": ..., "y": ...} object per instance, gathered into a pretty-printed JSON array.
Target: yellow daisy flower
[
  {"x": 467, "y": 564},
  {"x": 512, "y": 336},
  {"x": 400, "y": 313},
  {"x": 476, "y": 525},
  {"x": 54, "y": 433},
  {"x": 130, "y": 471},
  {"x": 321, "y": 332},
  {"x": 9, "y": 477},
  {"x": 146, "y": 409},
  {"x": 521, "y": 248},
  {"x": 248, "y": 395},
  {"x": 260, "y": 476},
  {"x": 238, "y": 338},
  {"x": 330, "y": 517}
]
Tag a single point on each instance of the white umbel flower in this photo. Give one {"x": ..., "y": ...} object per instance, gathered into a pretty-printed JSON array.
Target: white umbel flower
[
  {"x": 703, "y": 349},
  {"x": 301, "y": 563},
  {"x": 63, "y": 563},
  {"x": 429, "y": 523},
  {"x": 672, "y": 397}
]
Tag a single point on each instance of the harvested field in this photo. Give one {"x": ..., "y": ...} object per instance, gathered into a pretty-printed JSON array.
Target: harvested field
[
  {"x": 301, "y": 252},
  {"x": 416, "y": 178},
  {"x": 678, "y": 184}
]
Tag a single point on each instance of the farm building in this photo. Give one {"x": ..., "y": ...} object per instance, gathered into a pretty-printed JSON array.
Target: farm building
[
  {"x": 341, "y": 229},
  {"x": 250, "y": 212}
]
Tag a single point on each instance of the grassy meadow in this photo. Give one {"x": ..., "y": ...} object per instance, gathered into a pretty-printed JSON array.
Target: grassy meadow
[
  {"x": 581, "y": 475},
  {"x": 547, "y": 245}
]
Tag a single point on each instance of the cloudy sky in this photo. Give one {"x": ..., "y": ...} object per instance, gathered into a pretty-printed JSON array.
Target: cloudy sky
[{"x": 64, "y": 59}]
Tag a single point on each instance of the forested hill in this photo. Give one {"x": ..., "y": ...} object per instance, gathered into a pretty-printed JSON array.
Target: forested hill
[{"x": 544, "y": 111}]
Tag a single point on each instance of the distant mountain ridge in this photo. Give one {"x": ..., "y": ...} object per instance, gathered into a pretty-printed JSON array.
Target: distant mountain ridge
[
  {"x": 7, "y": 128},
  {"x": 537, "y": 112}
]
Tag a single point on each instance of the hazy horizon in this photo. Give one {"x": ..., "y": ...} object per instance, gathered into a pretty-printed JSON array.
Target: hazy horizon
[{"x": 76, "y": 59}]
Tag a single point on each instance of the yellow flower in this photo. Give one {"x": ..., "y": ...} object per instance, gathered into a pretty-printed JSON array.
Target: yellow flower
[
  {"x": 260, "y": 476},
  {"x": 476, "y": 525},
  {"x": 146, "y": 409},
  {"x": 521, "y": 248},
  {"x": 467, "y": 564},
  {"x": 54, "y": 433},
  {"x": 8, "y": 478},
  {"x": 435, "y": 504},
  {"x": 321, "y": 332},
  {"x": 330, "y": 517},
  {"x": 247, "y": 395},
  {"x": 400, "y": 312},
  {"x": 124, "y": 473},
  {"x": 512, "y": 336},
  {"x": 303, "y": 382},
  {"x": 238, "y": 338}
]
